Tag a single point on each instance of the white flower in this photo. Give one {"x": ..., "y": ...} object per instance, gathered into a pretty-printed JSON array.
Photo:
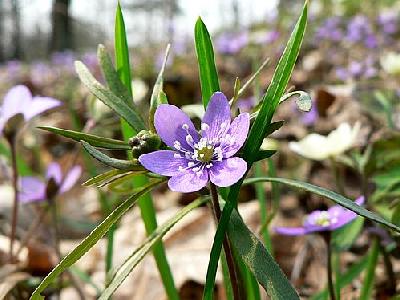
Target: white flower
[
  {"x": 391, "y": 63},
  {"x": 319, "y": 147},
  {"x": 139, "y": 90}
]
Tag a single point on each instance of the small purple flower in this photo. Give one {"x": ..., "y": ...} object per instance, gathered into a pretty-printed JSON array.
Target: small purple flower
[
  {"x": 309, "y": 118},
  {"x": 232, "y": 43},
  {"x": 246, "y": 104},
  {"x": 323, "y": 220},
  {"x": 19, "y": 100},
  {"x": 33, "y": 189},
  {"x": 199, "y": 157}
]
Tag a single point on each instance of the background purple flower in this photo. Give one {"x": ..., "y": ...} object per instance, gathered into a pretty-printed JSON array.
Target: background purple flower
[
  {"x": 19, "y": 100},
  {"x": 198, "y": 158},
  {"x": 323, "y": 220},
  {"x": 34, "y": 188},
  {"x": 231, "y": 43}
]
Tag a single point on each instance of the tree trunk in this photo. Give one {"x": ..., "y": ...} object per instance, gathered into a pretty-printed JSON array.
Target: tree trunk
[
  {"x": 61, "y": 35},
  {"x": 16, "y": 21}
]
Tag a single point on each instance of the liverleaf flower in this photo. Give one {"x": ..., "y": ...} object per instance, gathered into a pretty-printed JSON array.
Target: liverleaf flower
[
  {"x": 20, "y": 102},
  {"x": 197, "y": 157},
  {"x": 320, "y": 147},
  {"x": 323, "y": 220},
  {"x": 35, "y": 189}
]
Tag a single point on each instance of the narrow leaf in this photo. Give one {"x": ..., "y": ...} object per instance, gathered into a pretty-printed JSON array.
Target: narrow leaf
[
  {"x": 368, "y": 283},
  {"x": 137, "y": 256},
  {"x": 109, "y": 98},
  {"x": 110, "y": 74},
  {"x": 263, "y": 154},
  {"x": 112, "y": 162},
  {"x": 259, "y": 260},
  {"x": 103, "y": 176},
  {"x": 339, "y": 199},
  {"x": 95, "y": 141},
  {"x": 205, "y": 57},
  {"x": 91, "y": 239}
]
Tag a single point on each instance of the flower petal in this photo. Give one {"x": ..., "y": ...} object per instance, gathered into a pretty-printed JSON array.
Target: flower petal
[
  {"x": 163, "y": 162},
  {"x": 39, "y": 105},
  {"x": 16, "y": 100},
  {"x": 168, "y": 120},
  {"x": 54, "y": 171},
  {"x": 187, "y": 182},
  {"x": 238, "y": 132},
  {"x": 228, "y": 171},
  {"x": 313, "y": 146},
  {"x": 291, "y": 230},
  {"x": 217, "y": 113},
  {"x": 31, "y": 189},
  {"x": 70, "y": 178}
]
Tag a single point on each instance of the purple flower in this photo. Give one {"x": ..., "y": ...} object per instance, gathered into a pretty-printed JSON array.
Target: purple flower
[
  {"x": 19, "y": 100},
  {"x": 197, "y": 157},
  {"x": 309, "y": 118},
  {"x": 231, "y": 43},
  {"x": 246, "y": 104},
  {"x": 323, "y": 220},
  {"x": 33, "y": 189}
]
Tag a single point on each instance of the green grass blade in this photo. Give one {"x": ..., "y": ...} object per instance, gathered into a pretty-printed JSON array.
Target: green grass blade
[
  {"x": 145, "y": 203},
  {"x": 270, "y": 102},
  {"x": 91, "y": 239},
  {"x": 136, "y": 257},
  {"x": 368, "y": 283},
  {"x": 205, "y": 57},
  {"x": 339, "y": 199},
  {"x": 94, "y": 140},
  {"x": 259, "y": 260}
]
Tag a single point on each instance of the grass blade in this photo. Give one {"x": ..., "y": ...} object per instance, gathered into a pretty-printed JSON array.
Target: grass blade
[
  {"x": 368, "y": 283},
  {"x": 91, "y": 239},
  {"x": 94, "y": 140},
  {"x": 205, "y": 57},
  {"x": 136, "y": 257}
]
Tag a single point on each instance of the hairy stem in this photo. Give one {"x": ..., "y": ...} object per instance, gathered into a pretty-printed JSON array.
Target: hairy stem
[
  {"x": 227, "y": 247},
  {"x": 331, "y": 288},
  {"x": 14, "y": 218}
]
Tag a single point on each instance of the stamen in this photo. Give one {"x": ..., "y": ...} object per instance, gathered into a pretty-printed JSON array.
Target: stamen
[
  {"x": 177, "y": 145},
  {"x": 185, "y": 126},
  {"x": 191, "y": 164},
  {"x": 189, "y": 139},
  {"x": 204, "y": 126},
  {"x": 177, "y": 155}
]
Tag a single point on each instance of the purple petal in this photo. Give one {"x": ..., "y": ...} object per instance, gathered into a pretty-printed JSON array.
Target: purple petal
[
  {"x": 31, "y": 189},
  {"x": 343, "y": 216},
  {"x": 228, "y": 171},
  {"x": 16, "y": 100},
  {"x": 54, "y": 171},
  {"x": 39, "y": 105},
  {"x": 71, "y": 178},
  {"x": 217, "y": 113},
  {"x": 238, "y": 131},
  {"x": 168, "y": 121},
  {"x": 188, "y": 182},
  {"x": 163, "y": 162},
  {"x": 291, "y": 230}
]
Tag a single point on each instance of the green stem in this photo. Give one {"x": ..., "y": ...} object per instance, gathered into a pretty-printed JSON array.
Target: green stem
[
  {"x": 368, "y": 283},
  {"x": 338, "y": 174},
  {"x": 227, "y": 247}
]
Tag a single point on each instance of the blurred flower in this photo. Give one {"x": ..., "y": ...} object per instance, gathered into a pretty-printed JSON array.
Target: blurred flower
[
  {"x": 358, "y": 28},
  {"x": 231, "y": 43},
  {"x": 323, "y": 220},
  {"x": 329, "y": 30},
  {"x": 319, "y": 147},
  {"x": 196, "y": 159},
  {"x": 264, "y": 37},
  {"x": 309, "y": 118},
  {"x": 139, "y": 90},
  {"x": 390, "y": 63},
  {"x": 355, "y": 68},
  {"x": 40, "y": 73},
  {"x": 14, "y": 69},
  {"x": 90, "y": 60},
  {"x": 371, "y": 41},
  {"x": 34, "y": 189},
  {"x": 19, "y": 100},
  {"x": 246, "y": 104},
  {"x": 388, "y": 22}
]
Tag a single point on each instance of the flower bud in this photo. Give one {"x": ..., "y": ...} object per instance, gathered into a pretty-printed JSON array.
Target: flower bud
[
  {"x": 144, "y": 142},
  {"x": 12, "y": 126}
]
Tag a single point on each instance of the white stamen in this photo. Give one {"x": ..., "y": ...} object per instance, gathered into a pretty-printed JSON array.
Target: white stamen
[
  {"x": 177, "y": 155},
  {"x": 177, "y": 145},
  {"x": 185, "y": 126},
  {"x": 201, "y": 155},
  {"x": 204, "y": 126},
  {"x": 209, "y": 165},
  {"x": 189, "y": 139},
  {"x": 191, "y": 164}
]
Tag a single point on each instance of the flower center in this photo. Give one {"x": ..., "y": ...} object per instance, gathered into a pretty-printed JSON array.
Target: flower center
[
  {"x": 323, "y": 219},
  {"x": 205, "y": 153}
]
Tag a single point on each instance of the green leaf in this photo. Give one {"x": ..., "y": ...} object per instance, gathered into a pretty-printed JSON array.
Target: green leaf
[
  {"x": 344, "y": 237},
  {"x": 259, "y": 260},
  {"x": 368, "y": 282},
  {"x": 98, "y": 179},
  {"x": 269, "y": 103},
  {"x": 205, "y": 57},
  {"x": 110, "y": 74},
  {"x": 136, "y": 257},
  {"x": 116, "y": 103},
  {"x": 345, "y": 279},
  {"x": 91, "y": 239},
  {"x": 157, "y": 97},
  {"x": 122, "y": 50},
  {"x": 276, "y": 88},
  {"x": 396, "y": 215},
  {"x": 95, "y": 141},
  {"x": 303, "y": 100},
  {"x": 339, "y": 199},
  {"x": 120, "y": 164},
  {"x": 263, "y": 154}
]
